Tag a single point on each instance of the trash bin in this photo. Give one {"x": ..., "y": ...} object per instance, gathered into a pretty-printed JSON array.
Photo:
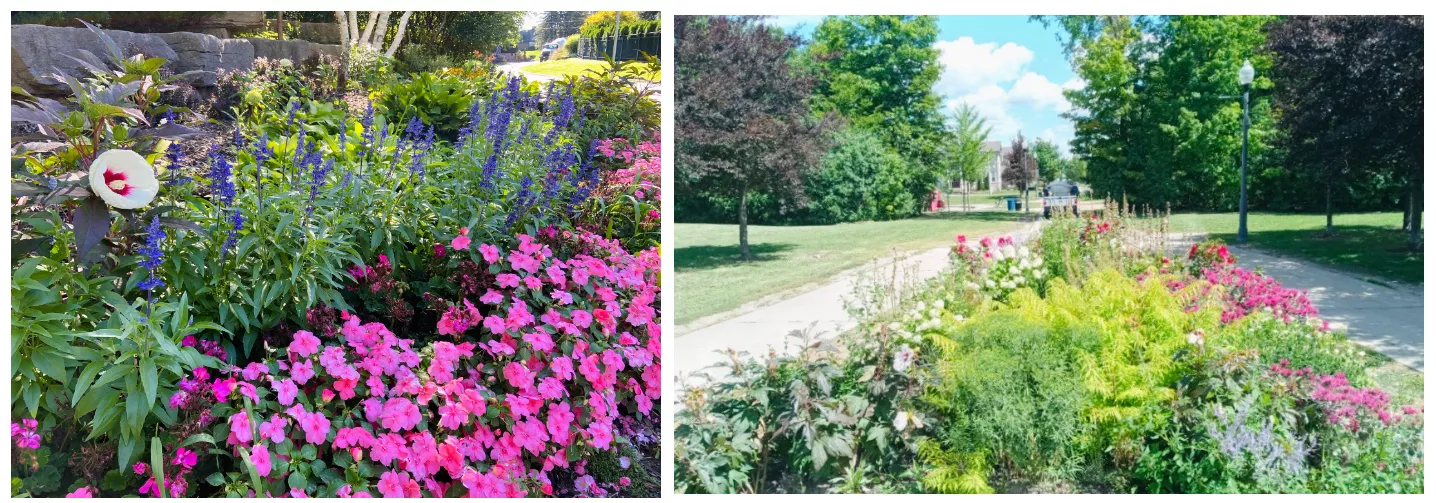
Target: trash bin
[{"x": 1011, "y": 204}]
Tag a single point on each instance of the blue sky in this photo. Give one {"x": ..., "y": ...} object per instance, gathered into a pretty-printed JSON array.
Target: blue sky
[{"x": 1011, "y": 69}]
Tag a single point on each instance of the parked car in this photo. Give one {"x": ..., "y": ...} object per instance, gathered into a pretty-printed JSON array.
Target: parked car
[
  {"x": 549, "y": 48},
  {"x": 1059, "y": 194}
]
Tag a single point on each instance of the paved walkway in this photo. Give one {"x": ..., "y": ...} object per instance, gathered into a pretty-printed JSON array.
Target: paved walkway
[
  {"x": 1388, "y": 319},
  {"x": 821, "y": 309}
]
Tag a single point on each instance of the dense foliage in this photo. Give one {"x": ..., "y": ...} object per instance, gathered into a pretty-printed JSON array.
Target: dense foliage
[
  {"x": 1093, "y": 362},
  {"x": 452, "y": 290},
  {"x": 742, "y": 118},
  {"x": 1159, "y": 120},
  {"x": 872, "y": 74}
]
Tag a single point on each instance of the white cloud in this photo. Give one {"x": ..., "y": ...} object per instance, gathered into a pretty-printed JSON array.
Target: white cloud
[
  {"x": 968, "y": 65},
  {"x": 1038, "y": 92},
  {"x": 991, "y": 102},
  {"x": 1060, "y": 135}
]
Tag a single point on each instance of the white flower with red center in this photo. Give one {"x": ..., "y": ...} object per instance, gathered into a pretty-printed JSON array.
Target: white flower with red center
[{"x": 123, "y": 179}]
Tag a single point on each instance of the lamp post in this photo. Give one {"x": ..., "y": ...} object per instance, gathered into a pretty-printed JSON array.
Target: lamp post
[{"x": 1244, "y": 76}]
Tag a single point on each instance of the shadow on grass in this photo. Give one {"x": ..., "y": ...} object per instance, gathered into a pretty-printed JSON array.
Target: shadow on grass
[
  {"x": 984, "y": 216},
  {"x": 1380, "y": 251},
  {"x": 690, "y": 258}
]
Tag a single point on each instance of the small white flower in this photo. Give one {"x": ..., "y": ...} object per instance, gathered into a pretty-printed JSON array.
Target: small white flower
[
  {"x": 1196, "y": 337},
  {"x": 940, "y": 303},
  {"x": 1018, "y": 280},
  {"x": 990, "y": 284},
  {"x": 903, "y": 358},
  {"x": 921, "y": 306},
  {"x": 900, "y": 422},
  {"x": 123, "y": 179},
  {"x": 1023, "y": 252},
  {"x": 1037, "y": 274},
  {"x": 1037, "y": 262}
]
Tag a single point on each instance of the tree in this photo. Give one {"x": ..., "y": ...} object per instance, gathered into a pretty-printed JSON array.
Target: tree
[
  {"x": 376, "y": 29},
  {"x": 1159, "y": 120},
  {"x": 1349, "y": 89},
  {"x": 1021, "y": 168},
  {"x": 558, "y": 23},
  {"x": 461, "y": 33},
  {"x": 1050, "y": 164},
  {"x": 878, "y": 72},
  {"x": 743, "y": 120},
  {"x": 968, "y": 158}
]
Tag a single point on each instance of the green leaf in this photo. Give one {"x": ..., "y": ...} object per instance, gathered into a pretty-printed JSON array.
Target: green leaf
[
  {"x": 87, "y": 377},
  {"x": 51, "y": 363},
  {"x": 157, "y": 461},
  {"x": 198, "y": 437},
  {"x": 149, "y": 379}
]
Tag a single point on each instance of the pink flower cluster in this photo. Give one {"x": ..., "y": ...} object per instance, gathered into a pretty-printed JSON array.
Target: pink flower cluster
[
  {"x": 644, "y": 173},
  {"x": 1345, "y": 404},
  {"x": 25, "y": 435},
  {"x": 560, "y": 366},
  {"x": 1248, "y": 291},
  {"x": 183, "y": 462}
]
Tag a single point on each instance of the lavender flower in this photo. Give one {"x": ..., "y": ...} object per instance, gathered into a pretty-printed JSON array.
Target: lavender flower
[
  {"x": 490, "y": 171},
  {"x": 154, "y": 257},
  {"x": 316, "y": 181},
  {"x": 220, "y": 172},
  {"x": 521, "y": 202},
  {"x": 236, "y": 221}
]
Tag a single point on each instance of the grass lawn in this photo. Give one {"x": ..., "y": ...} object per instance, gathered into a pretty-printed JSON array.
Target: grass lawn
[
  {"x": 578, "y": 66},
  {"x": 532, "y": 55},
  {"x": 1366, "y": 243},
  {"x": 711, "y": 279}
]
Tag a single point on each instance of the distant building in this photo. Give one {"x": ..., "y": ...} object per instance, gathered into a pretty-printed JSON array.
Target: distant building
[{"x": 994, "y": 166}]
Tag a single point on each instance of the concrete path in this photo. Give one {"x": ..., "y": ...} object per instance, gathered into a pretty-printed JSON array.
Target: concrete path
[
  {"x": 1388, "y": 319},
  {"x": 822, "y": 309}
]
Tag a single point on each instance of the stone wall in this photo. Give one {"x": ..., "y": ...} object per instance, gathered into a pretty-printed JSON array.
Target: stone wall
[{"x": 36, "y": 52}]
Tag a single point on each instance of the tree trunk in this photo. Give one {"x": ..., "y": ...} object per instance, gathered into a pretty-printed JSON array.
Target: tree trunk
[
  {"x": 1405, "y": 204},
  {"x": 353, "y": 27},
  {"x": 344, "y": 41},
  {"x": 1415, "y": 215},
  {"x": 1329, "y": 211},
  {"x": 399, "y": 34},
  {"x": 364, "y": 37},
  {"x": 377, "y": 39},
  {"x": 743, "y": 226},
  {"x": 281, "y": 25}
]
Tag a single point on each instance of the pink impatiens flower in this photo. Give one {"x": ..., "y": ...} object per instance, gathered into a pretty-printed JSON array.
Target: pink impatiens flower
[
  {"x": 285, "y": 391},
  {"x": 460, "y": 242},
  {"x": 490, "y": 253},
  {"x": 304, "y": 344},
  {"x": 260, "y": 457},
  {"x": 273, "y": 429},
  {"x": 315, "y": 426}
]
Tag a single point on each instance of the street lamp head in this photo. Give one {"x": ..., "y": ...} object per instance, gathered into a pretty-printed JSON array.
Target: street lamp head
[{"x": 1246, "y": 74}]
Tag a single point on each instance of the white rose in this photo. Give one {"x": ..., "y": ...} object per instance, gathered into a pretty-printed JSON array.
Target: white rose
[{"x": 123, "y": 179}]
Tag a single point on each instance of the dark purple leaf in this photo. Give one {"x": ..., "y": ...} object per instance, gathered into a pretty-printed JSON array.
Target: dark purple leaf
[{"x": 91, "y": 224}]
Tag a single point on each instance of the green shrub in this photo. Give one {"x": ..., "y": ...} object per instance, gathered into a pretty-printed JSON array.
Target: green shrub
[
  {"x": 439, "y": 100},
  {"x": 861, "y": 179},
  {"x": 1300, "y": 344},
  {"x": 1007, "y": 393}
]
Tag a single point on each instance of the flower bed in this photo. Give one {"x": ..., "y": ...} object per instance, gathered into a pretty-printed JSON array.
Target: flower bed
[
  {"x": 334, "y": 304},
  {"x": 1093, "y": 363}
]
